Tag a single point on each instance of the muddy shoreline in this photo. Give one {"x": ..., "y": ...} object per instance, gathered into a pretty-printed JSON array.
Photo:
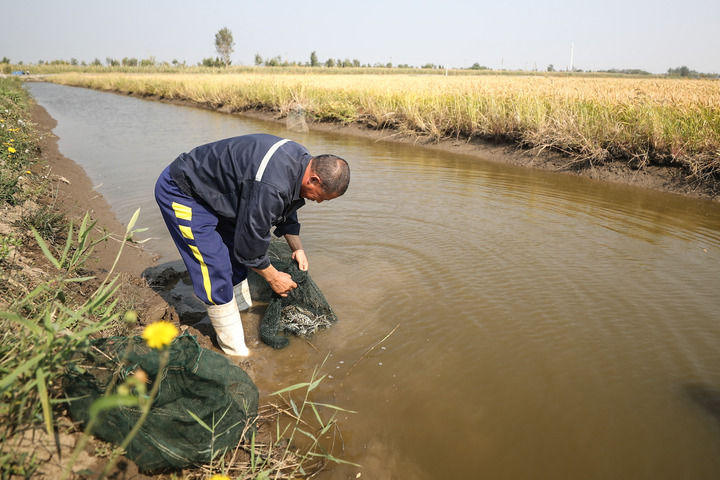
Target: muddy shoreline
[{"x": 670, "y": 179}]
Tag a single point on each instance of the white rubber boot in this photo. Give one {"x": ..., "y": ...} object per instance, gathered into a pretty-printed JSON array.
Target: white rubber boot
[
  {"x": 242, "y": 295},
  {"x": 226, "y": 321}
]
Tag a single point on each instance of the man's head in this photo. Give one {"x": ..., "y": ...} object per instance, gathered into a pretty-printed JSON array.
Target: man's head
[{"x": 326, "y": 177}]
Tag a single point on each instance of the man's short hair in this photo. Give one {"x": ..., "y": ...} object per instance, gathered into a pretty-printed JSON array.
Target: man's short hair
[{"x": 334, "y": 173}]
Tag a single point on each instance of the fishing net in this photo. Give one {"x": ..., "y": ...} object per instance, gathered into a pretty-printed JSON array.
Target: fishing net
[
  {"x": 197, "y": 380},
  {"x": 302, "y": 312}
]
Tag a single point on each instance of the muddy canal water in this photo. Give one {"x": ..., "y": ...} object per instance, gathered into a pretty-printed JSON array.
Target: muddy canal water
[{"x": 549, "y": 326}]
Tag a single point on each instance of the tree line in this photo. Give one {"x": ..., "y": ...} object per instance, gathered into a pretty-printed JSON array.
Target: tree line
[{"x": 225, "y": 44}]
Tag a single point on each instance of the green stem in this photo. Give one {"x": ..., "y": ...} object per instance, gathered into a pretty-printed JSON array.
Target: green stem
[{"x": 164, "y": 356}]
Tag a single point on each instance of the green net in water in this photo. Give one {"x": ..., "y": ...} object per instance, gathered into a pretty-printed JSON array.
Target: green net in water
[
  {"x": 302, "y": 312},
  {"x": 197, "y": 380}
]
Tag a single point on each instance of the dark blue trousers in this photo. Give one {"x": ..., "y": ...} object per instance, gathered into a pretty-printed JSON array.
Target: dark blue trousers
[{"x": 204, "y": 242}]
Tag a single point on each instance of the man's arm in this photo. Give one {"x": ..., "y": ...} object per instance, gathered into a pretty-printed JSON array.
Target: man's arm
[{"x": 298, "y": 254}]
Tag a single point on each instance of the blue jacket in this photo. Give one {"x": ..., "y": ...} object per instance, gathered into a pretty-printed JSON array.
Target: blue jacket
[{"x": 226, "y": 177}]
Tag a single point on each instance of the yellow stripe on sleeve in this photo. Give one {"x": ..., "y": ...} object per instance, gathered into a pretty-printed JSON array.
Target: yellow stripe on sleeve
[
  {"x": 186, "y": 232},
  {"x": 183, "y": 212},
  {"x": 204, "y": 270}
]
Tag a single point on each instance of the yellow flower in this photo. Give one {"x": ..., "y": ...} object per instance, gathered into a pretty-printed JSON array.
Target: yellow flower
[
  {"x": 159, "y": 334},
  {"x": 219, "y": 477},
  {"x": 11, "y": 150}
]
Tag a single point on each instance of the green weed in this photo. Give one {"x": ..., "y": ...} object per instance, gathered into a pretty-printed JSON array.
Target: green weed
[
  {"x": 7, "y": 244},
  {"x": 49, "y": 223}
]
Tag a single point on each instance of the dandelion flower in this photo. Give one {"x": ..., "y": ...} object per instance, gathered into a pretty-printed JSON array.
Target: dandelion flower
[
  {"x": 11, "y": 150},
  {"x": 159, "y": 334},
  {"x": 219, "y": 477}
]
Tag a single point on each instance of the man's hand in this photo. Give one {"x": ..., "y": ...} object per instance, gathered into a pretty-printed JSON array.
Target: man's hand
[
  {"x": 298, "y": 253},
  {"x": 280, "y": 282},
  {"x": 301, "y": 259}
]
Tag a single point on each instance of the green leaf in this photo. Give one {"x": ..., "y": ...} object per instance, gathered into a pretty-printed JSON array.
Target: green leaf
[
  {"x": 68, "y": 243},
  {"x": 44, "y": 248},
  {"x": 10, "y": 378},
  {"x": 44, "y": 401},
  {"x": 291, "y": 388},
  {"x": 132, "y": 221},
  {"x": 78, "y": 279},
  {"x": 315, "y": 383},
  {"x": 327, "y": 405},
  {"x": 308, "y": 434},
  {"x": 334, "y": 459},
  {"x": 294, "y": 408},
  {"x": 326, "y": 427},
  {"x": 317, "y": 415},
  {"x": 200, "y": 421},
  {"x": 14, "y": 317}
]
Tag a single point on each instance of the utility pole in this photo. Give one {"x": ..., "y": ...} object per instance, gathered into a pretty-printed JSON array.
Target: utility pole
[{"x": 572, "y": 54}]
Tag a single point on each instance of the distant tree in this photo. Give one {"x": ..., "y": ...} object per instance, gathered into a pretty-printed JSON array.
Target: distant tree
[
  {"x": 329, "y": 62},
  {"x": 175, "y": 62},
  {"x": 111, "y": 62},
  {"x": 356, "y": 62},
  {"x": 212, "y": 62},
  {"x": 130, "y": 62},
  {"x": 551, "y": 68},
  {"x": 258, "y": 59},
  {"x": 428, "y": 65},
  {"x": 73, "y": 61},
  {"x": 682, "y": 72},
  {"x": 388, "y": 65},
  {"x": 5, "y": 60},
  {"x": 314, "y": 62},
  {"x": 96, "y": 63},
  {"x": 273, "y": 62},
  {"x": 224, "y": 44},
  {"x": 148, "y": 62},
  {"x": 477, "y": 66}
]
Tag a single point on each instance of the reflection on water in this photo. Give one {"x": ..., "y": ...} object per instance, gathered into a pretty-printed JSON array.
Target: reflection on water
[{"x": 549, "y": 325}]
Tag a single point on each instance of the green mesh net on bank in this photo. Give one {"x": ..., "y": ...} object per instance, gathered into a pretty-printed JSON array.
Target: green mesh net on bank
[
  {"x": 197, "y": 380},
  {"x": 302, "y": 312}
]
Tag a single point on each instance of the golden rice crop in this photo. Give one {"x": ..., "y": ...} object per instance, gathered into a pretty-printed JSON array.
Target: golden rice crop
[{"x": 641, "y": 120}]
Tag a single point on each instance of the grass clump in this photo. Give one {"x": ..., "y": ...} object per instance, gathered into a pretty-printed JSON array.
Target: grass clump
[{"x": 49, "y": 223}]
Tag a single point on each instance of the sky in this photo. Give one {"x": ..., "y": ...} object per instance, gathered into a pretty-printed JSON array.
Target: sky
[{"x": 651, "y": 35}]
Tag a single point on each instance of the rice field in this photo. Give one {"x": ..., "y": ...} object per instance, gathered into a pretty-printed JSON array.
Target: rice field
[{"x": 591, "y": 119}]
